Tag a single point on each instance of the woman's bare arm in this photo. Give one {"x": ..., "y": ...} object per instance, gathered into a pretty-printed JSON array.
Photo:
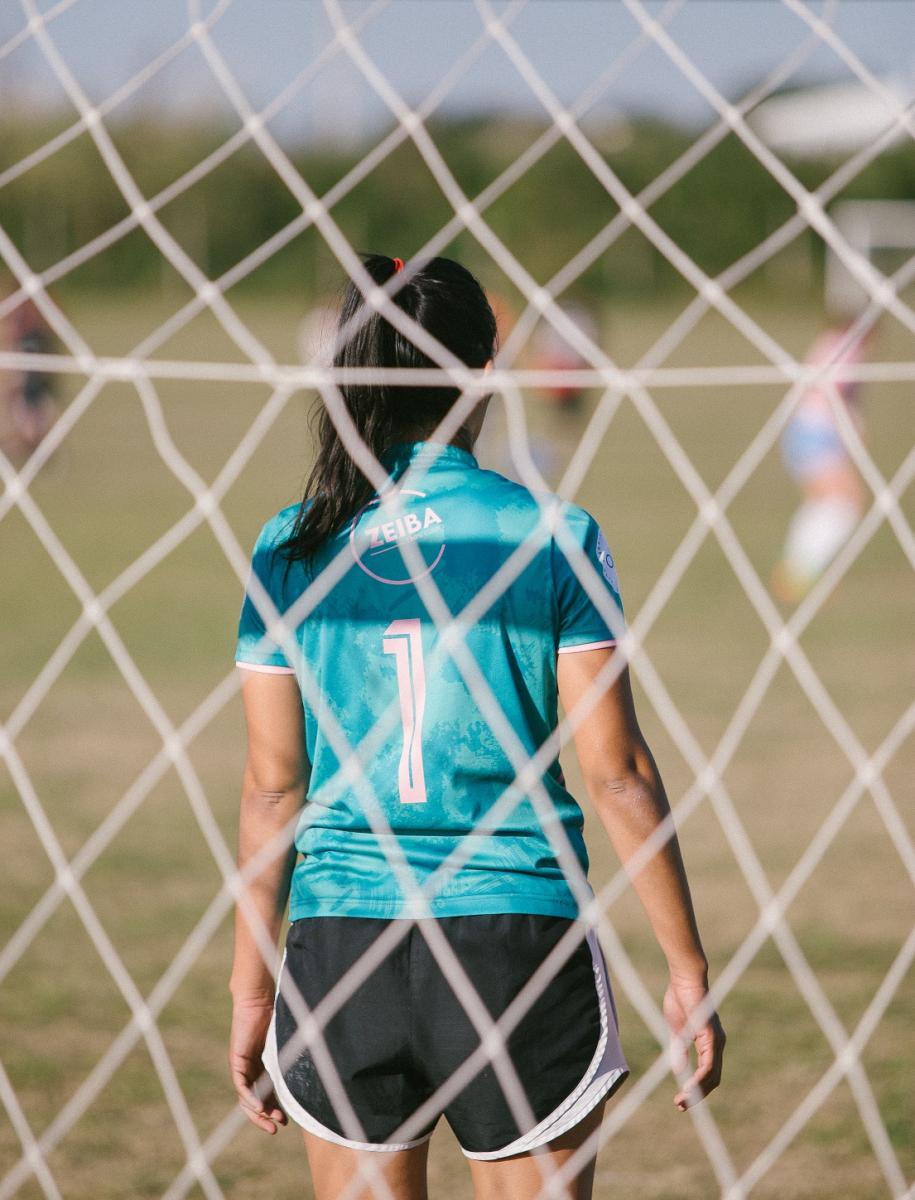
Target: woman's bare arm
[
  {"x": 273, "y": 791},
  {"x": 625, "y": 788}
]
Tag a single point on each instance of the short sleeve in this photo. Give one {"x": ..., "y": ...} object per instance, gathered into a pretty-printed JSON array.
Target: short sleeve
[
  {"x": 255, "y": 650},
  {"x": 582, "y": 625}
]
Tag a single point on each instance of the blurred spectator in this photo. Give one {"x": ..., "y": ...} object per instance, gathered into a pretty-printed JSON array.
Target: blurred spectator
[
  {"x": 552, "y": 352},
  {"x": 31, "y": 405},
  {"x": 816, "y": 457}
]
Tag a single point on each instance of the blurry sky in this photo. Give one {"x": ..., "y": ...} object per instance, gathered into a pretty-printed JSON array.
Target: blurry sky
[{"x": 570, "y": 42}]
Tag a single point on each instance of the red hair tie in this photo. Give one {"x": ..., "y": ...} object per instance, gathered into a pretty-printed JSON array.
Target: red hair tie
[{"x": 398, "y": 265}]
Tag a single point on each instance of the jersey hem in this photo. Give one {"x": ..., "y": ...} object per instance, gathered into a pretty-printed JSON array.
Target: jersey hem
[{"x": 459, "y": 906}]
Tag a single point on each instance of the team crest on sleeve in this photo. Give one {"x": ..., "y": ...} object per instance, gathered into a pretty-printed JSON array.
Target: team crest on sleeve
[
  {"x": 384, "y": 527},
  {"x": 607, "y": 565}
]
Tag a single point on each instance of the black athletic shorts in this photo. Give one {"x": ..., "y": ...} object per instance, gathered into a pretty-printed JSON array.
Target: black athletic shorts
[{"x": 404, "y": 1032}]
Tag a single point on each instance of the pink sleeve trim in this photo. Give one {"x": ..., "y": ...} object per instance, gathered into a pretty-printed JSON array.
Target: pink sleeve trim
[
  {"x": 586, "y": 646},
  {"x": 265, "y": 667}
]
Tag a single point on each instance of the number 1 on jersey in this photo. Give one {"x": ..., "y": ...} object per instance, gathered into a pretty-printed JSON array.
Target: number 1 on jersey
[{"x": 403, "y": 639}]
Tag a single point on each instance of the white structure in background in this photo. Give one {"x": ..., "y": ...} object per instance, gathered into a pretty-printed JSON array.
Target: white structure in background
[
  {"x": 868, "y": 226},
  {"x": 839, "y": 119},
  {"x": 830, "y": 118}
]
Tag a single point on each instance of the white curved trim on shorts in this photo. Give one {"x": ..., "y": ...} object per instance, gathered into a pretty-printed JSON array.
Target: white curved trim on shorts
[
  {"x": 268, "y": 668},
  {"x": 607, "y": 1069},
  {"x": 270, "y": 1059},
  {"x": 586, "y": 646}
]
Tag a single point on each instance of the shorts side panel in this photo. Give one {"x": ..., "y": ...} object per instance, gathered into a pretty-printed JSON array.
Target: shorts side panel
[
  {"x": 368, "y": 1038},
  {"x": 606, "y": 1072},
  {"x": 294, "y": 1109},
  {"x": 550, "y": 1049}
]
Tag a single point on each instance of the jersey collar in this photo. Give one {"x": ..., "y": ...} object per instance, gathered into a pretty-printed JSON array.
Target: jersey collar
[{"x": 429, "y": 454}]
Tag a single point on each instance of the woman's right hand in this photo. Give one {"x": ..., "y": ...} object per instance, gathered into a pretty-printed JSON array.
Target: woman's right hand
[
  {"x": 682, "y": 997},
  {"x": 250, "y": 1023}
]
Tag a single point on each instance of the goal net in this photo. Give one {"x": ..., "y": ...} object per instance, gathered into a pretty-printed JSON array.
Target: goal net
[{"x": 784, "y": 732}]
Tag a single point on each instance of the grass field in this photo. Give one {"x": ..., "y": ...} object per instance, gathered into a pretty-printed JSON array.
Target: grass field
[{"x": 108, "y": 496}]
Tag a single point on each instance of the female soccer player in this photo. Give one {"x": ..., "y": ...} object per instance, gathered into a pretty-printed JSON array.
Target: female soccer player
[{"x": 421, "y": 848}]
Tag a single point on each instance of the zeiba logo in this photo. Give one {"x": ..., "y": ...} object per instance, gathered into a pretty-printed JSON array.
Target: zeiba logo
[{"x": 383, "y": 526}]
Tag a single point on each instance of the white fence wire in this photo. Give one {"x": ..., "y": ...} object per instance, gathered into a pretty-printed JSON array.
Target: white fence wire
[{"x": 637, "y": 385}]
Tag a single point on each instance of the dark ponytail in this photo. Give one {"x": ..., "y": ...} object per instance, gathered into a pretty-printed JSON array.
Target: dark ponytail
[{"x": 447, "y": 301}]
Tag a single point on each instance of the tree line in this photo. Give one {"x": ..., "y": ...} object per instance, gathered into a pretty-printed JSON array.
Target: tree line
[{"x": 719, "y": 209}]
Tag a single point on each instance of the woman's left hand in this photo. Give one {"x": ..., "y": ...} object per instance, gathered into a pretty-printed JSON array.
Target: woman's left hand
[{"x": 250, "y": 1022}]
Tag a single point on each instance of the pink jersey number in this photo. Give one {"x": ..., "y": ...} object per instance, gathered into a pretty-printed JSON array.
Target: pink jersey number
[{"x": 403, "y": 639}]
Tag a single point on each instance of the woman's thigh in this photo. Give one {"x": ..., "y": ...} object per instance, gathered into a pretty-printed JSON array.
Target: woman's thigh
[
  {"x": 339, "y": 1173},
  {"x": 526, "y": 1176}
]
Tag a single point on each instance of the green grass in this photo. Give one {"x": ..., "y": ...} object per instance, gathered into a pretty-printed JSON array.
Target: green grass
[{"x": 107, "y": 495}]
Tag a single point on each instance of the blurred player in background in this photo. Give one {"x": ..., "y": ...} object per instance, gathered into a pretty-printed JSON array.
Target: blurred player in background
[
  {"x": 816, "y": 457},
  {"x": 316, "y": 333},
  {"x": 433, "y": 808},
  {"x": 564, "y": 401},
  {"x": 30, "y": 402},
  {"x": 554, "y": 413},
  {"x": 553, "y": 352}
]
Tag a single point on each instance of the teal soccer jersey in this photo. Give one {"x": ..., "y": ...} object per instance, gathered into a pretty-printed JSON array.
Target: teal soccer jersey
[{"x": 427, "y": 765}]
